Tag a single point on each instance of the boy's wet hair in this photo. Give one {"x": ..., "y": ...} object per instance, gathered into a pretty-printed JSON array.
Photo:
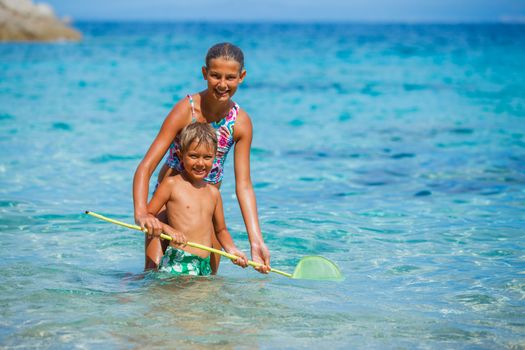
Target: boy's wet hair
[
  {"x": 202, "y": 133},
  {"x": 227, "y": 51}
]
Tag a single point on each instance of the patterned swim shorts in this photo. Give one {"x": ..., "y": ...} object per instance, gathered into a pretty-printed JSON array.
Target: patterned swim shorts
[{"x": 179, "y": 262}]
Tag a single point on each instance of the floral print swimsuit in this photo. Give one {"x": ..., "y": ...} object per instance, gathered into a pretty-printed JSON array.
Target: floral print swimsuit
[{"x": 224, "y": 129}]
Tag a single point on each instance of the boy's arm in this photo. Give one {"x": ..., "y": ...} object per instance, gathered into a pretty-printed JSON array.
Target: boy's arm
[
  {"x": 160, "y": 198},
  {"x": 177, "y": 238},
  {"x": 223, "y": 235}
]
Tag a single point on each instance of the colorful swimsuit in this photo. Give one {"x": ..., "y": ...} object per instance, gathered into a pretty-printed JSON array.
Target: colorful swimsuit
[{"x": 224, "y": 129}]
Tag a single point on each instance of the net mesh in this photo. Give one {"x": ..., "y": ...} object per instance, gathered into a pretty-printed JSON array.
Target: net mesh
[{"x": 317, "y": 268}]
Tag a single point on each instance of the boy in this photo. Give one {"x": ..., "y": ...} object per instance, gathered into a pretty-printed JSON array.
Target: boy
[{"x": 193, "y": 207}]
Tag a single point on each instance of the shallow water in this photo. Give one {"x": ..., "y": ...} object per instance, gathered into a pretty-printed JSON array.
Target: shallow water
[{"x": 396, "y": 151}]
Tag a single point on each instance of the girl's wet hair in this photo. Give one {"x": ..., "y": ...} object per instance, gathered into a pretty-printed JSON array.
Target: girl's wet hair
[
  {"x": 227, "y": 51},
  {"x": 202, "y": 133}
]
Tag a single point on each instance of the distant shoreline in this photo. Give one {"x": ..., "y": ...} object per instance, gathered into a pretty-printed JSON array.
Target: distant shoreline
[{"x": 25, "y": 21}]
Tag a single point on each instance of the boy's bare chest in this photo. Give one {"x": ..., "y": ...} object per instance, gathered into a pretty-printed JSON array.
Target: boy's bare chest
[{"x": 194, "y": 201}]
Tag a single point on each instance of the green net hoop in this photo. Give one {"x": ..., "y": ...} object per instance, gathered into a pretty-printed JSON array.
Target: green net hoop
[{"x": 317, "y": 268}]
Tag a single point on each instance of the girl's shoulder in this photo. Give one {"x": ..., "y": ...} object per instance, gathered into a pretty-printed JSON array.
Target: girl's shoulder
[
  {"x": 243, "y": 124},
  {"x": 182, "y": 111},
  {"x": 186, "y": 103},
  {"x": 242, "y": 116}
]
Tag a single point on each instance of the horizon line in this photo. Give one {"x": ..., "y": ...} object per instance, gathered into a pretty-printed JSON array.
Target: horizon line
[{"x": 506, "y": 21}]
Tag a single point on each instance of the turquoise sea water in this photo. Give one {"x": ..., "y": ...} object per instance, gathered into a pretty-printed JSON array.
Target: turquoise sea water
[{"x": 397, "y": 151}]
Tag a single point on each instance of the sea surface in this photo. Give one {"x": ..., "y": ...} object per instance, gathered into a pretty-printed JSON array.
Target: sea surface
[{"x": 396, "y": 151}]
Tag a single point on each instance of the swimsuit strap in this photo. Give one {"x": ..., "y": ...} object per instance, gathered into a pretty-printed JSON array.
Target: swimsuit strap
[
  {"x": 236, "y": 108},
  {"x": 192, "y": 104}
]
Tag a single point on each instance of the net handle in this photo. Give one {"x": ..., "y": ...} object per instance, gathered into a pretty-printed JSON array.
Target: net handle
[{"x": 191, "y": 244}]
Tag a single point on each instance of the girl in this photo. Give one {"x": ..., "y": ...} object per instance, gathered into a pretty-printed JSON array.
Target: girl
[{"x": 224, "y": 71}]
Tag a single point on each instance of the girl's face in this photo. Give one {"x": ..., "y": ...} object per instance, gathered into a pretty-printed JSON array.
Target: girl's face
[{"x": 223, "y": 76}]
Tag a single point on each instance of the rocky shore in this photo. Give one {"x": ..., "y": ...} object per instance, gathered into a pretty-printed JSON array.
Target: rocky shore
[{"x": 22, "y": 20}]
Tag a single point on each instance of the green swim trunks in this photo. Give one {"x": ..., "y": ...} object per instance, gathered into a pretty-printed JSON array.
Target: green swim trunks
[{"x": 179, "y": 262}]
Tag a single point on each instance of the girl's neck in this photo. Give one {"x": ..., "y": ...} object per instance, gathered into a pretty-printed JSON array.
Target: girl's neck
[{"x": 213, "y": 110}]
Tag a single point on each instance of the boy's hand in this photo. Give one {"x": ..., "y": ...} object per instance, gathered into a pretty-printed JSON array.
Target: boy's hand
[
  {"x": 242, "y": 260},
  {"x": 178, "y": 238}
]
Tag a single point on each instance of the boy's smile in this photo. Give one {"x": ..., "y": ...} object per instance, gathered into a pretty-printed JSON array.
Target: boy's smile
[{"x": 198, "y": 161}]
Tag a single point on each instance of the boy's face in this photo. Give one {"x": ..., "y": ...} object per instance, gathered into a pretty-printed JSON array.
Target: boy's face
[{"x": 197, "y": 160}]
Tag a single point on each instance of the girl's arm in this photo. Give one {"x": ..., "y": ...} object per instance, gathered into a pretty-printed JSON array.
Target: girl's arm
[
  {"x": 245, "y": 192},
  {"x": 222, "y": 233},
  {"x": 178, "y": 117}
]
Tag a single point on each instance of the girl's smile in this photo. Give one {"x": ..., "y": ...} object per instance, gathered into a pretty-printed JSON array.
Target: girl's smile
[{"x": 223, "y": 76}]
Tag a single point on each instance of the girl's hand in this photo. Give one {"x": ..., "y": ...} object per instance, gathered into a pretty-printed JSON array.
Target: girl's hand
[
  {"x": 150, "y": 223},
  {"x": 261, "y": 254},
  {"x": 242, "y": 260}
]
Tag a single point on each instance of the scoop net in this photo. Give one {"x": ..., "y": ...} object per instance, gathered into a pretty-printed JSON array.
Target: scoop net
[{"x": 317, "y": 268}]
